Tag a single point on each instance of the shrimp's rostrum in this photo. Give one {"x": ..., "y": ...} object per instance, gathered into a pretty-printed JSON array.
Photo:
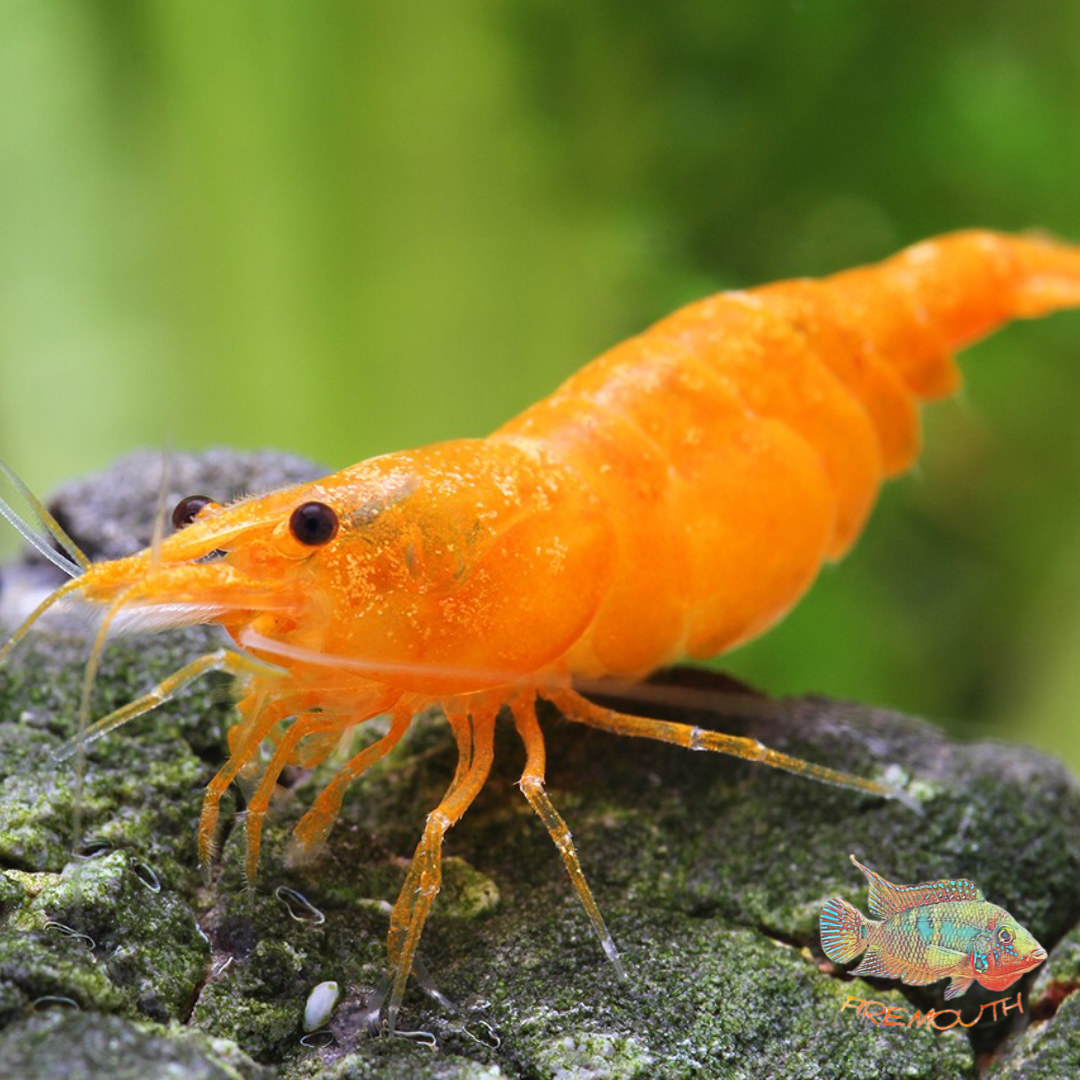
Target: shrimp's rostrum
[{"x": 673, "y": 498}]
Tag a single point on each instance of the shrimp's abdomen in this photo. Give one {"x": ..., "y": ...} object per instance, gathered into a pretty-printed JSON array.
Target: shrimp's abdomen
[{"x": 741, "y": 442}]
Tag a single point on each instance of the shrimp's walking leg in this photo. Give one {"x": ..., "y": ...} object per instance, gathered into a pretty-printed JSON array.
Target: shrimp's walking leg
[
  {"x": 574, "y": 707},
  {"x": 220, "y": 660},
  {"x": 475, "y": 737},
  {"x": 532, "y": 786},
  {"x": 244, "y": 739},
  {"x": 315, "y": 825},
  {"x": 462, "y": 725},
  {"x": 303, "y": 726}
]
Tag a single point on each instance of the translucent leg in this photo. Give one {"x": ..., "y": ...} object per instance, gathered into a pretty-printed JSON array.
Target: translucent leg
[
  {"x": 461, "y": 724},
  {"x": 303, "y": 726},
  {"x": 27, "y": 623},
  {"x": 259, "y": 718},
  {"x": 475, "y": 734},
  {"x": 574, "y": 707},
  {"x": 220, "y": 660},
  {"x": 313, "y": 828},
  {"x": 532, "y": 785}
]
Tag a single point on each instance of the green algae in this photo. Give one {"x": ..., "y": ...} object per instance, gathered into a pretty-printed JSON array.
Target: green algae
[
  {"x": 1062, "y": 969},
  {"x": 146, "y": 809},
  {"x": 12, "y": 890},
  {"x": 466, "y": 892},
  {"x": 43, "y": 964},
  {"x": 90, "y": 1046},
  {"x": 1048, "y": 1050},
  {"x": 1049, "y": 1046},
  {"x": 709, "y": 882},
  {"x": 147, "y": 941},
  {"x": 261, "y": 1006}
]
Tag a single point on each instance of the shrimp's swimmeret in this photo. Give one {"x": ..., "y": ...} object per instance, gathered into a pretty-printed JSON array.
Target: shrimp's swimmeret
[{"x": 673, "y": 498}]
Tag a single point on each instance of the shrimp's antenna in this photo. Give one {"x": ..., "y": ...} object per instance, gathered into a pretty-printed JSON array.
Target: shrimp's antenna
[
  {"x": 38, "y": 542},
  {"x": 94, "y": 661},
  {"x": 28, "y": 622},
  {"x": 158, "y": 535},
  {"x": 92, "y": 665},
  {"x": 76, "y": 561}
]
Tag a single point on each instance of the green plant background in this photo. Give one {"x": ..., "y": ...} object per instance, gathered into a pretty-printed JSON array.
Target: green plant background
[{"x": 349, "y": 226}]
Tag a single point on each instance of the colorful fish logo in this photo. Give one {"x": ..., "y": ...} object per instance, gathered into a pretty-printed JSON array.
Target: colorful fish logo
[{"x": 928, "y": 932}]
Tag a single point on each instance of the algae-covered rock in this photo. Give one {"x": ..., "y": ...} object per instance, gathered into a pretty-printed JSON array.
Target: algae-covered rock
[
  {"x": 710, "y": 873},
  {"x": 1050, "y": 1046},
  {"x": 82, "y": 1046}
]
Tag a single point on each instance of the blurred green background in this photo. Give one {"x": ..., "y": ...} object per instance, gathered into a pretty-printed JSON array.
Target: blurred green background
[{"x": 342, "y": 228}]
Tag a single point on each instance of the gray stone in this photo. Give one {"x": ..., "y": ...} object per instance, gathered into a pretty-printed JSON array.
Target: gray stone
[{"x": 711, "y": 874}]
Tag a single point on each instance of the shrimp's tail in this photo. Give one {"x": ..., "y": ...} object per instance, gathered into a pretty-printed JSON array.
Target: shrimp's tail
[
  {"x": 937, "y": 297},
  {"x": 995, "y": 278}
]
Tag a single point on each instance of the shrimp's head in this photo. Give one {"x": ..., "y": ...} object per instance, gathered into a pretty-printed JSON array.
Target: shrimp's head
[
  {"x": 456, "y": 567},
  {"x": 222, "y": 564}
]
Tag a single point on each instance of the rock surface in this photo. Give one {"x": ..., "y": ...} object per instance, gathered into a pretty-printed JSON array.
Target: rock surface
[{"x": 119, "y": 961}]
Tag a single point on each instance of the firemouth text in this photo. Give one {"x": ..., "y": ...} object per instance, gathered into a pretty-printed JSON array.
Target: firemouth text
[{"x": 877, "y": 1012}]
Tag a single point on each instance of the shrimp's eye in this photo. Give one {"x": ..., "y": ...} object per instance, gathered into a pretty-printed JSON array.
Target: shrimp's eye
[
  {"x": 187, "y": 510},
  {"x": 1005, "y": 936},
  {"x": 314, "y": 524}
]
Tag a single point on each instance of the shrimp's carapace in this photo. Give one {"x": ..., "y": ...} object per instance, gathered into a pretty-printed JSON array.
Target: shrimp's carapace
[{"x": 673, "y": 498}]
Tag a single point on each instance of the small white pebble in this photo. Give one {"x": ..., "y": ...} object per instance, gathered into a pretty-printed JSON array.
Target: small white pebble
[{"x": 320, "y": 1005}]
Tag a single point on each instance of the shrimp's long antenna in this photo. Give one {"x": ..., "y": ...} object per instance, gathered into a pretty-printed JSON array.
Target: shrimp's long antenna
[
  {"x": 94, "y": 661},
  {"x": 159, "y": 517},
  {"x": 84, "y": 710},
  {"x": 55, "y": 557},
  {"x": 28, "y": 622},
  {"x": 76, "y": 562}
]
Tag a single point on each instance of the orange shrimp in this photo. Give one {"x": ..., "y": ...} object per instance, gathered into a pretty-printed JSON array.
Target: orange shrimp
[{"x": 673, "y": 498}]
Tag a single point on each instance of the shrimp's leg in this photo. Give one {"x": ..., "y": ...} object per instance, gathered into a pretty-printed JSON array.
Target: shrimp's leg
[
  {"x": 475, "y": 737},
  {"x": 220, "y": 660},
  {"x": 461, "y": 724},
  {"x": 244, "y": 739},
  {"x": 532, "y": 786},
  {"x": 313, "y": 828},
  {"x": 574, "y": 707},
  {"x": 303, "y": 726}
]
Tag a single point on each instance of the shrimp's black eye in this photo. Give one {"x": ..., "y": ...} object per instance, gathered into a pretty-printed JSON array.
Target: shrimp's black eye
[
  {"x": 187, "y": 509},
  {"x": 314, "y": 524}
]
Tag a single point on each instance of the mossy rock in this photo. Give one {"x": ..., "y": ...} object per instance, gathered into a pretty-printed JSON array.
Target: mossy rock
[{"x": 711, "y": 874}]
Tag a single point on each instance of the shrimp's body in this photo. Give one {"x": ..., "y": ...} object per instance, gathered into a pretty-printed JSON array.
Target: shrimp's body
[{"x": 673, "y": 498}]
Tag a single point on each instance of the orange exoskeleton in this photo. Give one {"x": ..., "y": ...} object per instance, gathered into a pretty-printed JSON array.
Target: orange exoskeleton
[{"x": 673, "y": 498}]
